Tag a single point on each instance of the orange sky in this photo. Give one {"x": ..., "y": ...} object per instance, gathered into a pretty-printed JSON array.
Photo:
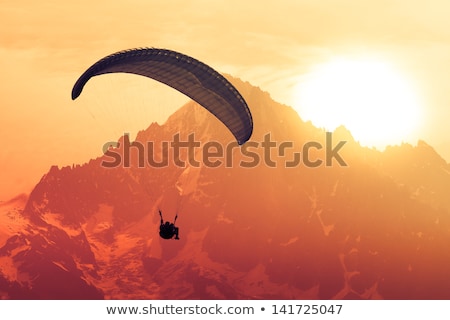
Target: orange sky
[{"x": 46, "y": 45}]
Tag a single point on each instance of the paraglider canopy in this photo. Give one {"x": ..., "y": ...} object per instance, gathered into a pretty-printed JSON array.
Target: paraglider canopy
[{"x": 185, "y": 74}]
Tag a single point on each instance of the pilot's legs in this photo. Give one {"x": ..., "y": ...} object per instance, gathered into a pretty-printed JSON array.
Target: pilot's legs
[{"x": 176, "y": 233}]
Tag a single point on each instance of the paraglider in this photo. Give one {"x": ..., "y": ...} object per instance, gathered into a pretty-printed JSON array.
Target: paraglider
[
  {"x": 167, "y": 230},
  {"x": 189, "y": 76},
  {"x": 185, "y": 74}
]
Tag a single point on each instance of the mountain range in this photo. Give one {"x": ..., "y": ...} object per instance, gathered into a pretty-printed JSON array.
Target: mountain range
[{"x": 254, "y": 222}]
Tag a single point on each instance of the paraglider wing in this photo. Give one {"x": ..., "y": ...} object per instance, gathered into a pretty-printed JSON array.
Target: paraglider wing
[{"x": 185, "y": 74}]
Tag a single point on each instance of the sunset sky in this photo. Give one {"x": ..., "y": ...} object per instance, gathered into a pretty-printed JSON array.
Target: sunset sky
[{"x": 276, "y": 45}]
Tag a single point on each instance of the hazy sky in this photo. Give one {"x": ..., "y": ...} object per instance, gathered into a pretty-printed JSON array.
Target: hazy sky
[{"x": 46, "y": 45}]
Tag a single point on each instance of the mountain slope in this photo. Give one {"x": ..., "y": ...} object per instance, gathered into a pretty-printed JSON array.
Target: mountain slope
[{"x": 261, "y": 225}]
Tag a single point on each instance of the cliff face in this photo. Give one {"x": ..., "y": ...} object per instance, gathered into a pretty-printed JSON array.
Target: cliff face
[{"x": 268, "y": 220}]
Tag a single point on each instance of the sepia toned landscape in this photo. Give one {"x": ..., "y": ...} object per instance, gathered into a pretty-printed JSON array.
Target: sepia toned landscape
[
  {"x": 327, "y": 176},
  {"x": 374, "y": 229}
]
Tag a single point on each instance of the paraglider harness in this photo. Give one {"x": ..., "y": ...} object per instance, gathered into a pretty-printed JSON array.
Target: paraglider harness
[{"x": 167, "y": 230}]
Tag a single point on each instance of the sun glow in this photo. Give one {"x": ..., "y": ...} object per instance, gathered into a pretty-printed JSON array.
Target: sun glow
[{"x": 368, "y": 97}]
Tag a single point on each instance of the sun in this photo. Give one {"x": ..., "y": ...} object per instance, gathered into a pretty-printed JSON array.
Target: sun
[{"x": 369, "y": 97}]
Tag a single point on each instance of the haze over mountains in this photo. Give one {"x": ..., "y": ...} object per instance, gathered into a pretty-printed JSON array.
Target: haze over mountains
[{"x": 375, "y": 228}]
